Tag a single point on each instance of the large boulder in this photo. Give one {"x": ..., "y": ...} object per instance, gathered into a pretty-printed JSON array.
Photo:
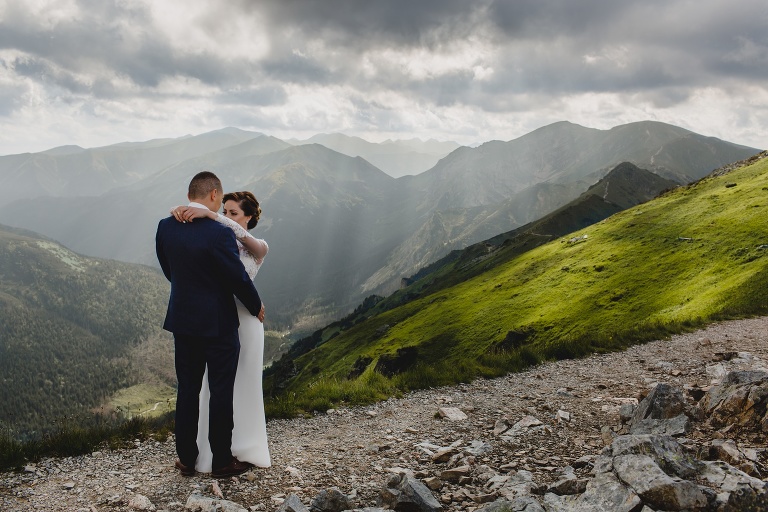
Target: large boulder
[
  {"x": 737, "y": 491},
  {"x": 655, "y": 472},
  {"x": 741, "y": 399},
  {"x": 655, "y": 487},
  {"x": 661, "y": 412}
]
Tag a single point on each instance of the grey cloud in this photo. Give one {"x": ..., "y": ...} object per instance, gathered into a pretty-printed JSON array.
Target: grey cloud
[
  {"x": 260, "y": 96},
  {"x": 96, "y": 43},
  {"x": 394, "y": 22},
  {"x": 539, "y": 45},
  {"x": 297, "y": 69},
  {"x": 11, "y": 99}
]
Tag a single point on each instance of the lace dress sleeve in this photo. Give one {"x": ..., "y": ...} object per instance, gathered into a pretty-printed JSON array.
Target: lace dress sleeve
[
  {"x": 240, "y": 232},
  {"x": 251, "y": 262}
]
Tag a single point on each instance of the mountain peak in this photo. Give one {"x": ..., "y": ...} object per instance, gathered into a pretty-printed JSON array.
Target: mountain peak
[
  {"x": 627, "y": 185},
  {"x": 68, "y": 149}
]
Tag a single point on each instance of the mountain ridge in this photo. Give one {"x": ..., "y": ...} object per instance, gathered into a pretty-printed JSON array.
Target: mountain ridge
[
  {"x": 334, "y": 242},
  {"x": 690, "y": 256}
]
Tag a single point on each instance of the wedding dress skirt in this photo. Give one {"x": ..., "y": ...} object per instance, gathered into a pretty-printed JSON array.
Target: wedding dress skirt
[{"x": 249, "y": 437}]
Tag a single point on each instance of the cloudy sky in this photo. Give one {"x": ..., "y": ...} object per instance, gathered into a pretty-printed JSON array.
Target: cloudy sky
[{"x": 96, "y": 72}]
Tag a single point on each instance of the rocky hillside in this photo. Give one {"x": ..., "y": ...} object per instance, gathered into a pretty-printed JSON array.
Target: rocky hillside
[{"x": 662, "y": 426}]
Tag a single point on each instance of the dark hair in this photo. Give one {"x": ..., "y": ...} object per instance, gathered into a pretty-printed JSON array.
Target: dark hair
[
  {"x": 248, "y": 203},
  {"x": 202, "y": 184}
]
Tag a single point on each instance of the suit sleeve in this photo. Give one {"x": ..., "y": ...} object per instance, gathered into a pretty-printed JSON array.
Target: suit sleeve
[
  {"x": 161, "y": 253},
  {"x": 234, "y": 274}
]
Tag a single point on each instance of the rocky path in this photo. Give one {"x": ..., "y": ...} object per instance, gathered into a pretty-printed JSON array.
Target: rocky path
[{"x": 358, "y": 449}]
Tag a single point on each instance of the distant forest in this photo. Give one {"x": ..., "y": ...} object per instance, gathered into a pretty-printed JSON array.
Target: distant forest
[{"x": 67, "y": 325}]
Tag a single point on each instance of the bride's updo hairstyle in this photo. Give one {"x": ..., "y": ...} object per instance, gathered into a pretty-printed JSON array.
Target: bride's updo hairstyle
[{"x": 248, "y": 203}]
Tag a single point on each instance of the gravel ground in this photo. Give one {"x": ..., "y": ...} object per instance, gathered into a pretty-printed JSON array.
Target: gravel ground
[{"x": 357, "y": 449}]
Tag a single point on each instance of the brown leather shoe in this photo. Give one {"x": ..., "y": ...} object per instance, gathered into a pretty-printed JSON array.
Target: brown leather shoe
[
  {"x": 235, "y": 467},
  {"x": 184, "y": 470}
]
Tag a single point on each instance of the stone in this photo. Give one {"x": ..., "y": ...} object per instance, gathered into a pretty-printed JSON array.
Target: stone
[
  {"x": 605, "y": 492},
  {"x": 452, "y": 413},
  {"x": 626, "y": 411},
  {"x": 741, "y": 398},
  {"x": 527, "y": 422},
  {"x": 554, "y": 503},
  {"x": 483, "y": 498},
  {"x": 330, "y": 500},
  {"x": 726, "y": 450},
  {"x": 445, "y": 454},
  {"x": 405, "y": 494},
  {"x": 583, "y": 461},
  {"x": 292, "y": 503},
  {"x": 737, "y": 490},
  {"x": 607, "y": 435},
  {"x": 526, "y": 504},
  {"x": 478, "y": 448},
  {"x": 569, "y": 484},
  {"x": 140, "y": 502},
  {"x": 433, "y": 483},
  {"x": 663, "y": 402},
  {"x": 668, "y": 454},
  {"x": 677, "y": 426},
  {"x": 454, "y": 474},
  {"x": 198, "y": 503},
  {"x": 655, "y": 487},
  {"x": 563, "y": 416},
  {"x": 500, "y": 426},
  {"x": 518, "y": 485},
  {"x": 294, "y": 472}
]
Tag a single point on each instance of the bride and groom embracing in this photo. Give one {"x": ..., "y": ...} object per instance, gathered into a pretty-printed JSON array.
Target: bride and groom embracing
[{"x": 215, "y": 315}]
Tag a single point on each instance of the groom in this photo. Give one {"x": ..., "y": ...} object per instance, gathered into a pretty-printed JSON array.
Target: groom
[{"x": 201, "y": 261}]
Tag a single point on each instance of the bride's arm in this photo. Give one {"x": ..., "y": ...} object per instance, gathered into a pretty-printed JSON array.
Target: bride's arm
[{"x": 257, "y": 247}]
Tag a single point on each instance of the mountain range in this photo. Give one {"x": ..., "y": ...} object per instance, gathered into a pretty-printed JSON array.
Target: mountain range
[
  {"x": 693, "y": 255},
  {"x": 339, "y": 228},
  {"x": 623, "y": 187},
  {"x": 396, "y": 158}
]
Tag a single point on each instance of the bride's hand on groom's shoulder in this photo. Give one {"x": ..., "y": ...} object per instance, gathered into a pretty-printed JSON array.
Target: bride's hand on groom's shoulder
[{"x": 189, "y": 213}]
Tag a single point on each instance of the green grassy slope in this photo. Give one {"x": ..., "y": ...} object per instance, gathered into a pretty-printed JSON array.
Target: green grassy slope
[{"x": 694, "y": 255}]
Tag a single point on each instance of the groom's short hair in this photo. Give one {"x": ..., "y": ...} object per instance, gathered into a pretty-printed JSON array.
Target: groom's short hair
[{"x": 202, "y": 184}]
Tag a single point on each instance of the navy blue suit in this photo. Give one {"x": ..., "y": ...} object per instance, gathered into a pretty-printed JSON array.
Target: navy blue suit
[{"x": 201, "y": 261}]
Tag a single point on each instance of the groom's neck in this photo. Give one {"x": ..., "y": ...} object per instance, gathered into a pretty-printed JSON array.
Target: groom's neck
[{"x": 207, "y": 203}]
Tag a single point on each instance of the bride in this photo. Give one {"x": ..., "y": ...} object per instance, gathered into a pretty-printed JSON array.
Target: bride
[{"x": 249, "y": 436}]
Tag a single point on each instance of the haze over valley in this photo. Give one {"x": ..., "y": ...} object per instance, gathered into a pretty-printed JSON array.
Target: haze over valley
[{"x": 340, "y": 230}]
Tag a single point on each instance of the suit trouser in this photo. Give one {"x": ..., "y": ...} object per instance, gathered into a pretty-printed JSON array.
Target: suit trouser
[{"x": 221, "y": 355}]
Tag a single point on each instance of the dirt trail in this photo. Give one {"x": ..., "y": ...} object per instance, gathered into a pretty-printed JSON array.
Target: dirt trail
[{"x": 357, "y": 449}]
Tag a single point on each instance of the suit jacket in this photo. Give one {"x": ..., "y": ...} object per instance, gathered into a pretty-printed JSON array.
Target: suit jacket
[{"x": 202, "y": 262}]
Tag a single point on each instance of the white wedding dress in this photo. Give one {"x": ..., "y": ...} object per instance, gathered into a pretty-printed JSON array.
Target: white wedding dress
[{"x": 249, "y": 436}]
